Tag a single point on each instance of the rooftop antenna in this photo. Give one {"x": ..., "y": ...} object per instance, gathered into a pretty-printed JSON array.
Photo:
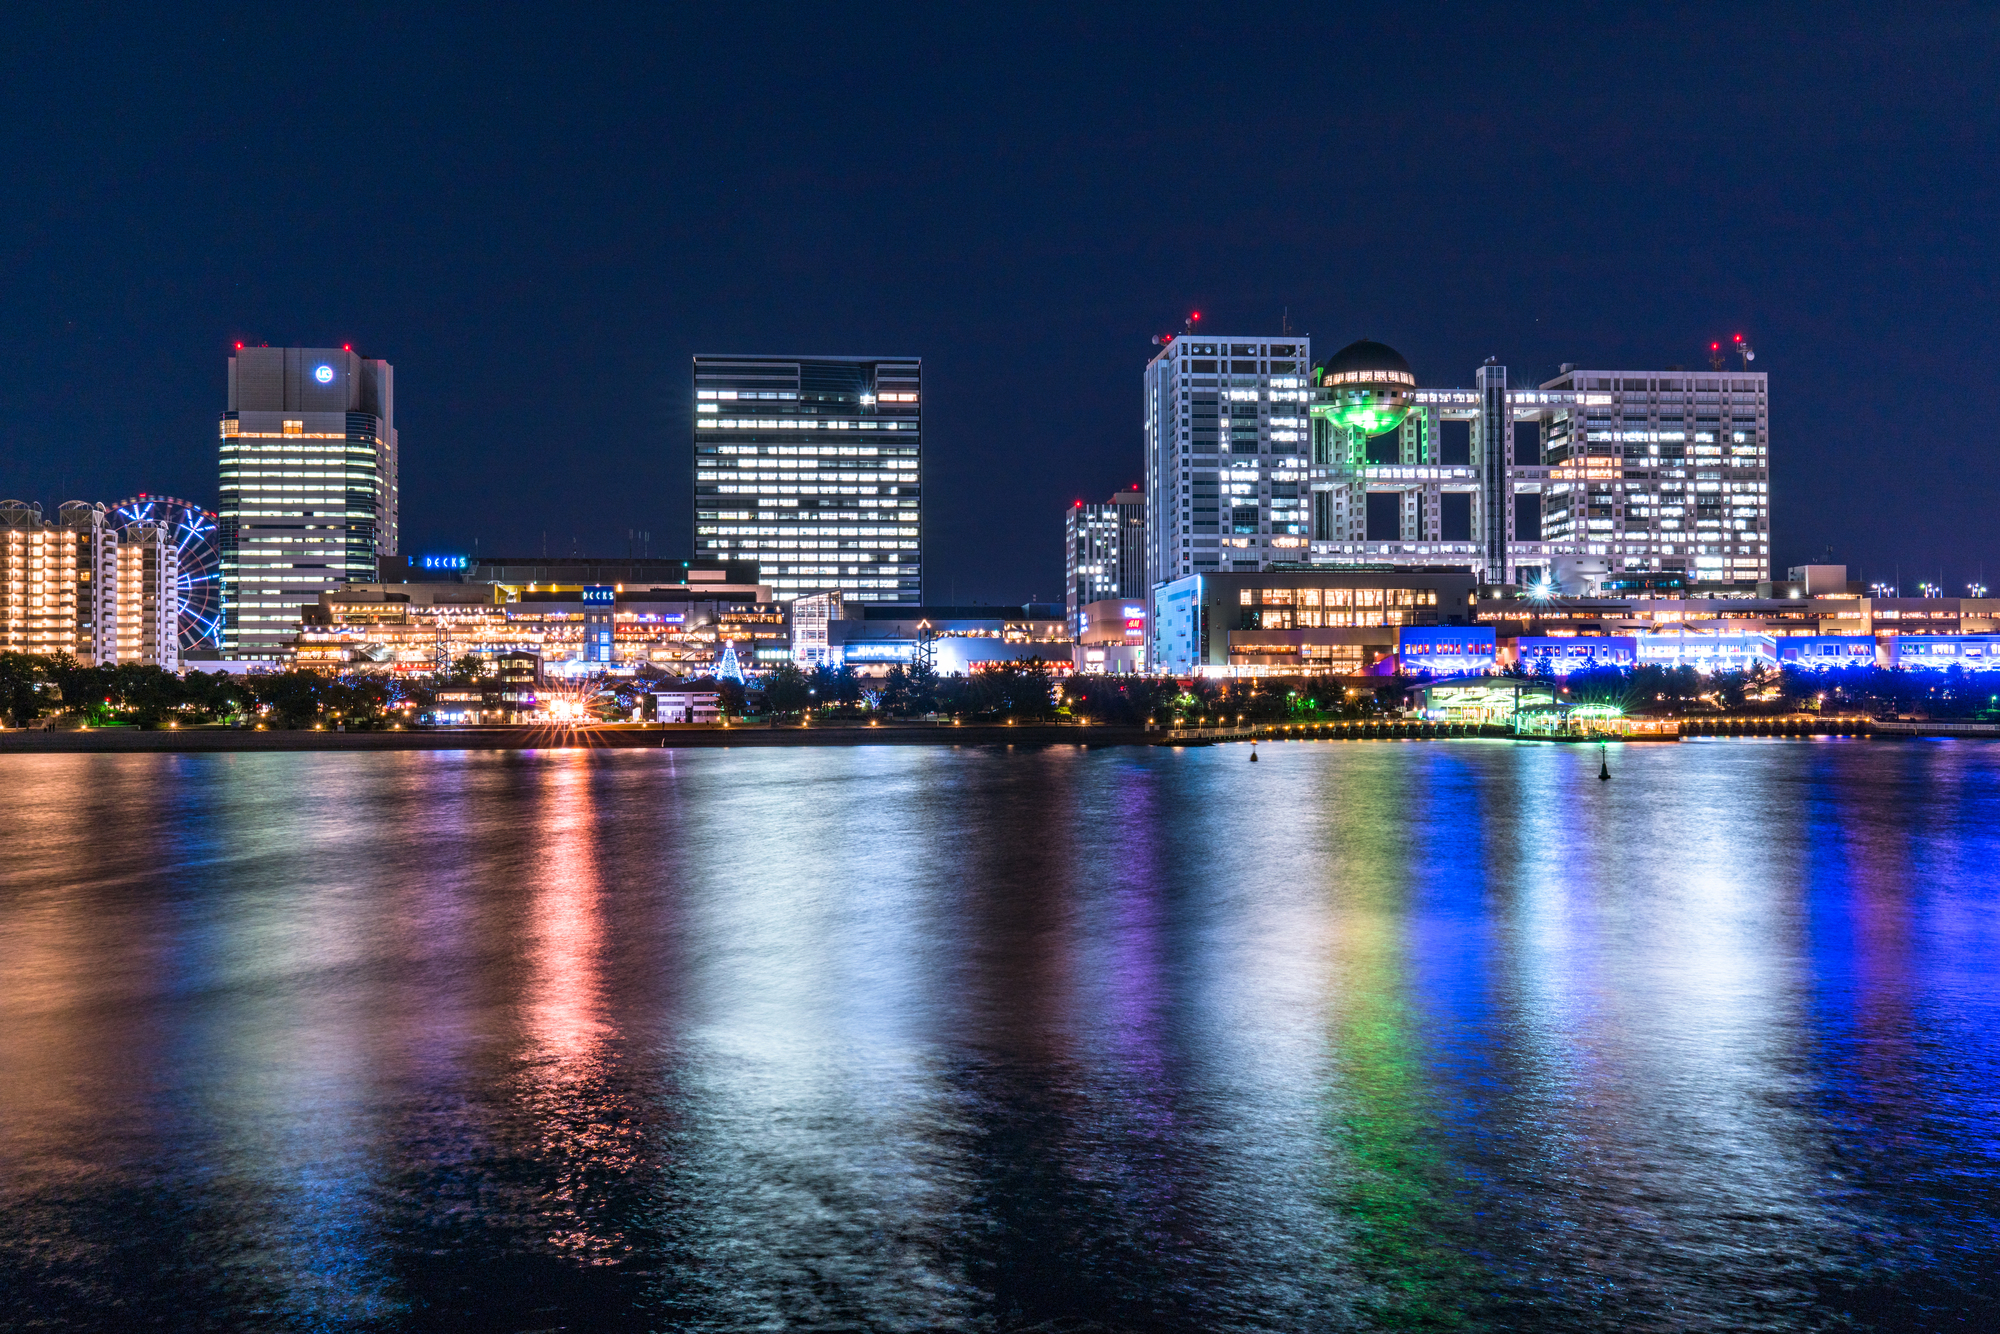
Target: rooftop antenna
[
  {"x": 1285, "y": 322},
  {"x": 1715, "y": 356},
  {"x": 1194, "y": 318},
  {"x": 1745, "y": 351}
]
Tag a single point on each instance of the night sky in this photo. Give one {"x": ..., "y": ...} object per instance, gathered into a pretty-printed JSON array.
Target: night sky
[{"x": 537, "y": 215}]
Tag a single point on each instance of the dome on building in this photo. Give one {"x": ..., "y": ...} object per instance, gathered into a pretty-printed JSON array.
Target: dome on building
[
  {"x": 1367, "y": 355},
  {"x": 1366, "y": 386}
]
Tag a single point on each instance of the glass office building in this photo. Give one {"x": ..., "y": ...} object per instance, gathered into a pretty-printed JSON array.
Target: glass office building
[
  {"x": 812, "y": 467},
  {"x": 308, "y": 486}
]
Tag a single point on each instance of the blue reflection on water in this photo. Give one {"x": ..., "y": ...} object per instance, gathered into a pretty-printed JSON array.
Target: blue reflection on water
[{"x": 1368, "y": 1035}]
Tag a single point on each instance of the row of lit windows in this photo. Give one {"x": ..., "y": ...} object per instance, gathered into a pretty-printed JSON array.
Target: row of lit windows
[
  {"x": 800, "y": 424},
  {"x": 791, "y": 584},
  {"x": 292, "y": 453},
  {"x": 1289, "y": 619},
  {"x": 825, "y": 544},
  {"x": 1338, "y": 597},
  {"x": 864, "y": 456},
  {"x": 772, "y": 530}
]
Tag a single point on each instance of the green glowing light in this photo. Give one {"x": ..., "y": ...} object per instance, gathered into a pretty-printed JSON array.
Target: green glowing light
[{"x": 1370, "y": 411}]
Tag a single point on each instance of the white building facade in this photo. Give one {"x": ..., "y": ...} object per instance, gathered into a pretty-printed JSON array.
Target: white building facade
[
  {"x": 1594, "y": 473},
  {"x": 1226, "y": 454},
  {"x": 1654, "y": 472}
]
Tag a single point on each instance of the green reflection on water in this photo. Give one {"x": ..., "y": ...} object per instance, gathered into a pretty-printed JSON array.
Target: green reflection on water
[{"x": 1404, "y": 1201}]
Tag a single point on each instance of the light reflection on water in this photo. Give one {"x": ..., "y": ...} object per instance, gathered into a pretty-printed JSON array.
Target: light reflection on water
[{"x": 1366, "y": 1036}]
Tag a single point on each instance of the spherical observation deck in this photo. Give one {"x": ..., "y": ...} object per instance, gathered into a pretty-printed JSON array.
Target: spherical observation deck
[{"x": 1366, "y": 386}]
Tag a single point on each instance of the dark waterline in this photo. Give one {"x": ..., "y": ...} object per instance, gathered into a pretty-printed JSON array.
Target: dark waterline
[{"x": 1363, "y": 1036}]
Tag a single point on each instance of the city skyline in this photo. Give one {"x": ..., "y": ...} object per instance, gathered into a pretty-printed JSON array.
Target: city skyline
[{"x": 1027, "y": 237}]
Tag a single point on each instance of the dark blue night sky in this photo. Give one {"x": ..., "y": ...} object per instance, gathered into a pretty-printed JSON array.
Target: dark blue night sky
[{"x": 538, "y": 214}]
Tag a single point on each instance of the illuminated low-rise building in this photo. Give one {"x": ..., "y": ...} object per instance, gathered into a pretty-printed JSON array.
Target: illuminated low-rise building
[
  {"x": 1111, "y": 638},
  {"x": 1290, "y": 622},
  {"x": 1817, "y": 652},
  {"x": 417, "y": 628},
  {"x": 1444, "y": 650},
  {"x": 1559, "y": 656},
  {"x": 688, "y": 706},
  {"x": 1479, "y": 699},
  {"x": 1974, "y": 653},
  {"x": 1706, "y": 650},
  {"x": 953, "y": 641}
]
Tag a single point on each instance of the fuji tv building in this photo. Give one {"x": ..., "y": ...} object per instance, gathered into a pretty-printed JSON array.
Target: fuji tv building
[{"x": 1658, "y": 475}]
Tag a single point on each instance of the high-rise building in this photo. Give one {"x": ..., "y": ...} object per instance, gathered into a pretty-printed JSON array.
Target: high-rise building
[
  {"x": 812, "y": 467},
  {"x": 1654, "y": 471},
  {"x": 147, "y": 596},
  {"x": 82, "y": 585},
  {"x": 308, "y": 486},
  {"x": 1596, "y": 474},
  {"x": 1226, "y": 442},
  {"x": 1104, "y": 552}
]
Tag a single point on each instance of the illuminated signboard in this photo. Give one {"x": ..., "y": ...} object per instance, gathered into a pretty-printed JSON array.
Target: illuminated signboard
[
  {"x": 600, "y": 594},
  {"x": 324, "y": 374},
  {"x": 1134, "y": 613},
  {"x": 444, "y": 562}
]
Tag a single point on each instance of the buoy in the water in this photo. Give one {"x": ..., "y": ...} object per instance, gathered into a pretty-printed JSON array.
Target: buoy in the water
[
  {"x": 1253, "y": 752},
  {"x": 1603, "y": 764}
]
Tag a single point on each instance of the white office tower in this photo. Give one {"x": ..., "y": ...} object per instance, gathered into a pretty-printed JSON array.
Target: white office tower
[
  {"x": 1104, "y": 552},
  {"x": 1226, "y": 441},
  {"x": 308, "y": 486},
  {"x": 1654, "y": 472}
]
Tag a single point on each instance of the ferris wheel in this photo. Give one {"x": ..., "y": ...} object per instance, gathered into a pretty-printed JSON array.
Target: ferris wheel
[{"x": 193, "y": 532}]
